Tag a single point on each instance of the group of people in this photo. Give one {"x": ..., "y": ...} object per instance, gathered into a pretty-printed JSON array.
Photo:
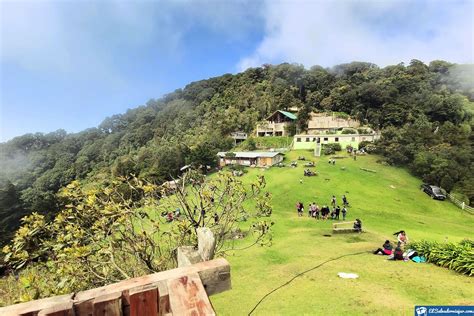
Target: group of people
[
  {"x": 309, "y": 173},
  {"x": 387, "y": 247},
  {"x": 325, "y": 211}
]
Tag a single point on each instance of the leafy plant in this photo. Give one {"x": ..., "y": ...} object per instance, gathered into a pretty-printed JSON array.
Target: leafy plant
[
  {"x": 458, "y": 257},
  {"x": 331, "y": 148},
  {"x": 113, "y": 230}
]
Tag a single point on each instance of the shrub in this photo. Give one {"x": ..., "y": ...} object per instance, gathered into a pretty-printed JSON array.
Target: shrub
[
  {"x": 363, "y": 144},
  {"x": 362, "y": 130},
  {"x": 349, "y": 131},
  {"x": 250, "y": 144},
  {"x": 458, "y": 257},
  {"x": 331, "y": 148}
]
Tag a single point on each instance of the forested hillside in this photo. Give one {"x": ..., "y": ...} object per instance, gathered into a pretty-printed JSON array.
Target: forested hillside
[{"x": 424, "y": 113}]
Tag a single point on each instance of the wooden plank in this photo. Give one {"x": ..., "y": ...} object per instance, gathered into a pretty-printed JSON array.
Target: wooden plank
[
  {"x": 215, "y": 275},
  {"x": 144, "y": 301},
  {"x": 344, "y": 230},
  {"x": 108, "y": 305},
  {"x": 33, "y": 307},
  {"x": 188, "y": 296},
  {"x": 64, "y": 309},
  {"x": 163, "y": 299},
  {"x": 84, "y": 308}
]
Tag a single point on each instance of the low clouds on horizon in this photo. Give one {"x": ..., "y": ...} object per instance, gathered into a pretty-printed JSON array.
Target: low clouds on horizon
[{"x": 327, "y": 33}]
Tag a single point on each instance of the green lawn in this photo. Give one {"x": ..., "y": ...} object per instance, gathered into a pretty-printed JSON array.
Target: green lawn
[{"x": 386, "y": 201}]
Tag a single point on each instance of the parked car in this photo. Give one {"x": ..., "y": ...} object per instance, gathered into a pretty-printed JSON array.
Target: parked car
[{"x": 434, "y": 191}]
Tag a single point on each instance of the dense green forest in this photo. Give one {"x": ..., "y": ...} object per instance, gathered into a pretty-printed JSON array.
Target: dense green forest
[{"x": 425, "y": 114}]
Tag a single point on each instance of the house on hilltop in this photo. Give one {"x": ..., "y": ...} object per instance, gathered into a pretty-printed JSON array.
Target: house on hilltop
[
  {"x": 324, "y": 122},
  {"x": 310, "y": 141},
  {"x": 238, "y": 137},
  {"x": 276, "y": 124},
  {"x": 250, "y": 158}
]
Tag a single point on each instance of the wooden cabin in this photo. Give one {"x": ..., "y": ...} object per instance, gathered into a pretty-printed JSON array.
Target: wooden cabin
[
  {"x": 250, "y": 158},
  {"x": 276, "y": 124}
]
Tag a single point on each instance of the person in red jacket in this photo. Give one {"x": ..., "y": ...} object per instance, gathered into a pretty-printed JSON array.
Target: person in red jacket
[{"x": 386, "y": 250}]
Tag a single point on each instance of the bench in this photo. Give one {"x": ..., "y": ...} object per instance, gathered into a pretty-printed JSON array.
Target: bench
[{"x": 347, "y": 227}]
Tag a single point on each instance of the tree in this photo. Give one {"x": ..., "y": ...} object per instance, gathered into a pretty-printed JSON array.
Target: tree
[
  {"x": 113, "y": 230},
  {"x": 224, "y": 197}
]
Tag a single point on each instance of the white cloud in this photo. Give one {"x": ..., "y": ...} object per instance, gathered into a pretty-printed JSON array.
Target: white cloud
[
  {"x": 87, "y": 37},
  {"x": 384, "y": 32}
]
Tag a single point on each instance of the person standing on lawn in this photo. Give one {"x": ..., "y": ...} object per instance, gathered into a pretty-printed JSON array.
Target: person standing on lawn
[{"x": 344, "y": 212}]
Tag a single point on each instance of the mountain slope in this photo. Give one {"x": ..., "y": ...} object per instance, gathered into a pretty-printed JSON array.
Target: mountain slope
[{"x": 408, "y": 103}]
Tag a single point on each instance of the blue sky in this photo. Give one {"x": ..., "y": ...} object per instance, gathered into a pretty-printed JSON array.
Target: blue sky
[{"x": 69, "y": 64}]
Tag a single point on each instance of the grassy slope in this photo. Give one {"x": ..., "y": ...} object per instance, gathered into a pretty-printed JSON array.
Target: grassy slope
[{"x": 384, "y": 287}]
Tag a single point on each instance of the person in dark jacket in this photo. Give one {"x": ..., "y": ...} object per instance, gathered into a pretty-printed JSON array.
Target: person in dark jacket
[
  {"x": 338, "y": 211},
  {"x": 358, "y": 225},
  {"x": 386, "y": 250},
  {"x": 397, "y": 254}
]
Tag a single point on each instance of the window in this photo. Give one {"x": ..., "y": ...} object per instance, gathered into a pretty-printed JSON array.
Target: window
[
  {"x": 325, "y": 139},
  {"x": 336, "y": 139},
  {"x": 307, "y": 139},
  {"x": 314, "y": 139},
  {"x": 298, "y": 140},
  {"x": 353, "y": 139}
]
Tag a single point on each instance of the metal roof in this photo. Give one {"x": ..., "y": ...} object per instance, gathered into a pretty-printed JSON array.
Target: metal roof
[
  {"x": 251, "y": 154},
  {"x": 285, "y": 113},
  {"x": 288, "y": 114}
]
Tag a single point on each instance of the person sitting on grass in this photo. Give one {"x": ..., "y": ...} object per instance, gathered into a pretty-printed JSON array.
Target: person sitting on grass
[
  {"x": 386, "y": 250},
  {"x": 397, "y": 254},
  {"x": 358, "y": 225}
]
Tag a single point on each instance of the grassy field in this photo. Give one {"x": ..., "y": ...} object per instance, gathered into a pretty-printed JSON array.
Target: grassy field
[{"x": 386, "y": 201}]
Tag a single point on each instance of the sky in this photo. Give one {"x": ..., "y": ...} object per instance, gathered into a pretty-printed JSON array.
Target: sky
[{"x": 68, "y": 64}]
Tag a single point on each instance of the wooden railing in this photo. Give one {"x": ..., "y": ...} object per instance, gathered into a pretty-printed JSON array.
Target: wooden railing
[
  {"x": 181, "y": 291},
  {"x": 461, "y": 205}
]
